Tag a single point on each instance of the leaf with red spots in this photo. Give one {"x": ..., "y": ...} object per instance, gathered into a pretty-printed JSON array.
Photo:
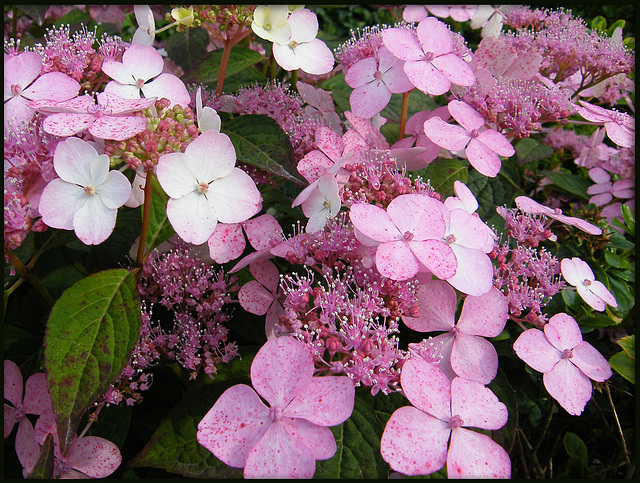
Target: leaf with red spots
[{"x": 90, "y": 333}]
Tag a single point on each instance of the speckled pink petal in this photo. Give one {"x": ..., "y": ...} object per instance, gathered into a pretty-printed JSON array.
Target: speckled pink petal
[
  {"x": 280, "y": 369},
  {"x": 266, "y": 273},
  {"x": 36, "y": 394},
  {"x": 437, "y": 256},
  {"x": 119, "y": 106},
  {"x": 474, "y": 275},
  {"x": 77, "y": 105},
  {"x": 396, "y": 261},
  {"x": 475, "y": 455},
  {"x": 599, "y": 290},
  {"x": 254, "y": 298},
  {"x": 437, "y": 302},
  {"x": 27, "y": 449},
  {"x": 525, "y": 66},
  {"x": 374, "y": 222},
  {"x": 192, "y": 217},
  {"x": 17, "y": 109},
  {"x": 235, "y": 197},
  {"x": 168, "y": 86},
  {"x": 483, "y": 159},
  {"x": 591, "y": 362},
  {"x": 456, "y": 70},
  {"x": 329, "y": 142},
  {"x": 536, "y": 351},
  {"x": 319, "y": 439},
  {"x": 260, "y": 230},
  {"x": 445, "y": 343},
  {"x": 272, "y": 319},
  {"x": 477, "y": 405},
  {"x": 402, "y": 43},
  {"x": 470, "y": 231},
  {"x": 495, "y": 54},
  {"x": 95, "y": 457},
  {"x": 314, "y": 165},
  {"x": 418, "y": 214},
  {"x": 280, "y": 455},
  {"x": 67, "y": 124},
  {"x": 361, "y": 72},
  {"x": 485, "y": 315},
  {"x": 466, "y": 197},
  {"x": 447, "y": 136},
  {"x": 318, "y": 98},
  {"x": 466, "y": 115},
  {"x": 9, "y": 420},
  {"x": 394, "y": 75},
  {"x": 622, "y": 135},
  {"x": 370, "y": 134},
  {"x": 427, "y": 388},
  {"x": 234, "y": 425},
  {"x": 369, "y": 99},
  {"x": 474, "y": 358},
  {"x": 569, "y": 386},
  {"x": 568, "y": 331},
  {"x": 497, "y": 142},
  {"x": 226, "y": 243},
  {"x": 94, "y": 222},
  {"x": 426, "y": 77},
  {"x": 12, "y": 382},
  {"x": 59, "y": 203},
  {"x": 414, "y": 443},
  {"x": 325, "y": 401},
  {"x": 117, "y": 128},
  {"x": 54, "y": 85},
  {"x": 434, "y": 36}
]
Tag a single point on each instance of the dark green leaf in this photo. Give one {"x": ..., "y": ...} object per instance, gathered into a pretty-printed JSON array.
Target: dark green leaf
[
  {"x": 615, "y": 260},
  {"x": 617, "y": 240},
  {"x": 187, "y": 47},
  {"x": 628, "y": 343},
  {"x": 340, "y": 91},
  {"x": 418, "y": 101},
  {"x": 37, "y": 13},
  {"x": 160, "y": 228},
  {"x": 629, "y": 43},
  {"x": 243, "y": 78},
  {"x": 43, "y": 469},
  {"x": 629, "y": 218},
  {"x": 528, "y": 149},
  {"x": 599, "y": 23},
  {"x": 442, "y": 173},
  {"x": 490, "y": 193},
  {"x": 90, "y": 333},
  {"x": 625, "y": 275},
  {"x": 259, "y": 141},
  {"x": 576, "y": 448},
  {"x": 73, "y": 18},
  {"x": 624, "y": 295},
  {"x": 205, "y": 71},
  {"x": 572, "y": 299},
  {"x": 624, "y": 365},
  {"x": 569, "y": 183},
  {"x": 596, "y": 321}
]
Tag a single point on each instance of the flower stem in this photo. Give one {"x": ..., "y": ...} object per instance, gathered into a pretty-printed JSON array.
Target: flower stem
[
  {"x": 30, "y": 277},
  {"x": 294, "y": 79},
  {"x": 615, "y": 415},
  {"x": 226, "y": 53},
  {"x": 403, "y": 114},
  {"x": 146, "y": 215}
]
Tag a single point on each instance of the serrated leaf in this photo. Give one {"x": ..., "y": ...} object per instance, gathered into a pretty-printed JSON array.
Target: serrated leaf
[
  {"x": 615, "y": 260},
  {"x": 174, "y": 446},
  {"x": 443, "y": 173},
  {"x": 629, "y": 219},
  {"x": 569, "y": 183},
  {"x": 576, "y": 449},
  {"x": 617, "y": 240},
  {"x": 490, "y": 193},
  {"x": 628, "y": 344},
  {"x": 528, "y": 149},
  {"x": 340, "y": 91},
  {"x": 624, "y": 365},
  {"x": 205, "y": 71},
  {"x": 259, "y": 141},
  {"x": 91, "y": 331},
  {"x": 187, "y": 47},
  {"x": 358, "y": 447}
]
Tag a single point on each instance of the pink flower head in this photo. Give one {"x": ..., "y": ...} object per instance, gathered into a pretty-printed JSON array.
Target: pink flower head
[
  {"x": 421, "y": 439},
  {"x": 620, "y": 127},
  {"x": 374, "y": 79},
  {"x": 86, "y": 196},
  {"x": 566, "y": 360},
  {"x": 260, "y": 296},
  {"x": 464, "y": 351},
  {"x": 320, "y": 101},
  {"x": 323, "y": 202},
  {"x": 430, "y": 61},
  {"x": 205, "y": 188},
  {"x": 303, "y": 50},
  {"x": 107, "y": 119},
  {"x": 532, "y": 207},
  {"x": 23, "y": 83},
  {"x": 576, "y": 272},
  {"x": 604, "y": 190},
  {"x": 36, "y": 396},
  {"x": 284, "y": 439},
  {"x": 415, "y": 131},
  {"x": 227, "y": 243},
  {"x": 482, "y": 147},
  {"x": 133, "y": 77},
  {"x": 499, "y": 56},
  {"x": 407, "y": 234}
]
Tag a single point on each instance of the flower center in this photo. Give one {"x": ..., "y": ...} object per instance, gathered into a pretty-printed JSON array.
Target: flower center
[
  {"x": 61, "y": 467},
  {"x": 293, "y": 44},
  {"x": 19, "y": 413},
  {"x": 203, "y": 187},
  {"x": 377, "y": 75},
  {"x": 90, "y": 190},
  {"x": 455, "y": 422},
  {"x": 267, "y": 26},
  {"x": 16, "y": 89},
  {"x": 326, "y": 205},
  {"x": 586, "y": 282},
  {"x": 408, "y": 236},
  {"x": 275, "y": 413},
  {"x": 450, "y": 239},
  {"x": 567, "y": 354},
  {"x": 140, "y": 83},
  {"x": 428, "y": 56},
  {"x": 474, "y": 133}
]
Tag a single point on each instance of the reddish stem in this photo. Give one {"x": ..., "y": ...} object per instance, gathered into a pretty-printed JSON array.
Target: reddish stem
[
  {"x": 226, "y": 52},
  {"x": 146, "y": 215}
]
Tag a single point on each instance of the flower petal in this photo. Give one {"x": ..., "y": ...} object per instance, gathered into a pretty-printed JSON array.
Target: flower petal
[
  {"x": 319, "y": 439},
  {"x": 474, "y": 358},
  {"x": 192, "y": 217},
  {"x": 94, "y": 222},
  {"x": 170, "y": 87},
  {"x": 325, "y": 401},
  {"x": 54, "y": 86},
  {"x": 235, "y": 198},
  {"x": 568, "y": 331},
  {"x": 485, "y": 315},
  {"x": 374, "y": 222},
  {"x": 117, "y": 128},
  {"x": 569, "y": 386},
  {"x": 427, "y": 388},
  {"x": 475, "y": 455},
  {"x": 95, "y": 457},
  {"x": 403, "y": 43},
  {"x": 437, "y": 256},
  {"x": 395, "y": 260},
  {"x": 483, "y": 158},
  {"x": 369, "y": 99},
  {"x": 59, "y": 203},
  {"x": 419, "y": 214},
  {"x": 77, "y": 162},
  {"x": 477, "y": 405},
  {"x": 12, "y": 382},
  {"x": 254, "y": 298},
  {"x": 448, "y": 136},
  {"x": 36, "y": 394},
  {"x": 67, "y": 124},
  {"x": 437, "y": 302},
  {"x": 536, "y": 351},
  {"x": 474, "y": 275},
  {"x": 226, "y": 242},
  {"x": 115, "y": 190},
  {"x": 591, "y": 362}
]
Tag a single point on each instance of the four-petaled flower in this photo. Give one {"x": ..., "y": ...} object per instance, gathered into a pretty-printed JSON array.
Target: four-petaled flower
[
  {"x": 527, "y": 205},
  {"x": 579, "y": 274},
  {"x": 620, "y": 127},
  {"x": 36, "y": 396}
]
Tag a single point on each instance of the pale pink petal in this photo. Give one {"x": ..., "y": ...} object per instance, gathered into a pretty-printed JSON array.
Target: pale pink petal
[
  {"x": 59, "y": 203},
  {"x": 330, "y": 143},
  {"x": 414, "y": 13},
  {"x": 414, "y": 443},
  {"x": 600, "y": 290},
  {"x": 175, "y": 174},
  {"x": 21, "y": 70},
  {"x": 210, "y": 156},
  {"x": 279, "y": 455},
  {"x": 17, "y": 109},
  {"x": 485, "y": 315},
  {"x": 476, "y": 455},
  {"x": 281, "y": 369},
  {"x": 304, "y": 25},
  {"x": 12, "y": 382},
  {"x": 474, "y": 358},
  {"x": 143, "y": 62},
  {"x": 427, "y": 388},
  {"x": 465, "y": 195},
  {"x": 470, "y": 231},
  {"x": 426, "y": 77},
  {"x": 192, "y": 217},
  {"x": 477, "y": 405},
  {"x": 272, "y": 319},
  {"x": 314, "y": 165},
  {"x": 121, "y": 73},
  {"x": 119, "y": 106},
  {"x": 9, "y": 420},
  {"x": 569, "y": 386},
  {"x": 434, "y": 36},
  {"x": 448, "y": 136},
  {"x": 402, "y": 43},
  {"x": 254, "y": 298},
  {"x": 117, "y": 128},
  {"x": 374, "y": 222},
  {"x": 235, "y": 198},
  {"x": 95, "y": 457},
  {"x": 27, "y": 449},
  {"x": 226, "y": 243},
  {"x": 483, "y": 159},
  {"x": 319, "y": 439},
  {"x": 396, "y": 261},
  {"x": 466, "y": 115},
  {"x": 64, "y": 124},
  {"x": 445, "y": 343},
  {"x": 368, "y": 100},
  {"x": 497, "y": 142},
  {"x": 361, "y": 72},
  {"x": 94, "y": 222},
  {"x": 76, "y": 161},
  {"x": 36, "y": 394},
  {"x": 437, "y": 302},
  {"x": 325, "y": 401},
  {"x": 525, "y": 66},
  {"x": 115, "y": 190},
  {"x": 573, "y": 271},
  {"x": 234, "y": 425},
  {"x": 456, "y": 70},
  {"x": 536, "y": 351},
  {"x": 591, "y": 362},
  {"x": 474, "y": 273},
  {"x": 125, "y": 91},
  {"x": 394, "y": 75},
  {"x": 568, "y": 331},
  {"x": 170, "y": 87},
  {"x": 437, "y": 256},
  {"x": 495, "y": 55},
  {"x": 621, "y": 135},
  {"x": 417, "y": 214},
  {"x": 54, "y": 85}
]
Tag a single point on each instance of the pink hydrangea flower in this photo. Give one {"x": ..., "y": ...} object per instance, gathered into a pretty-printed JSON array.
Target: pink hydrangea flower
[
  {"x": 132, "y": 77},
  {"x": 430, "y": 61},
  {"x": 620, "y": 127},
  {"x": 205, "y": 188},
  {"x": 374, "y": 79},
  {"x": 567, "y": 362},
  {"x": 464, "y": 350},
  {"x": 408, "y": 233},
  {"x": 23, "y": 83},
  {"x": 490, "y": 18},
  {"x": 260, "y": 296},
  {"x": 320, "y": 102},
  {"x": 107, "y": 119},
  {"x": 421, "y": 439},
  {"x": 604, "y": 190},
  {"x": 227, "y": 243},
  {"x": 416, "y": 136},
  {"x": 86, "y": 196},
  {"x": 146, "y": 31},
  {"x": 532, "y": 207},
  {"x": 285, "y": 439},
  {"x": 324, "y": 202},
  {"x": 482, "y": 147},
  {"x": 499, "y": 56},
  {"x": 36, "y": 396},
  {"x": 578, "y": 273}
]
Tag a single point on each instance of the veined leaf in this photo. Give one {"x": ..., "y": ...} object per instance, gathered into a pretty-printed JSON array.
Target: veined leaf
[{"x": 206, "y": 70}]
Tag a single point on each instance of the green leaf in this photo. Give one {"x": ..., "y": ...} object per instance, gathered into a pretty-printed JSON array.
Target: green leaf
[
  {"x": 628, "y": 344},
  {"x": 615, "y": 260},
  {"x": 569, "y": 183},
  {"x": 611, "y": 28},
  {"x": 340, "y": 91},
  {"x": 528, "y": 149},
  {"x": 617, "y": 240},
  {"x": 160, "y": 228},
  {"x": 174, "y": 446},
  {"x": 358, "y": 447},
  {"x": 259, "y": 141},
  {"x": 243, "y": 78},
  {"x": 629, "y": 43},
  {"x": 624, "y": 365},
  {"x": 206, "y": 70},
  {"x": 442, "y": 173},
  {"x": 624, "y": 295},
  {"x": 37, "y": 13},
  {"x": 629, "y": 219},
  {"x": 490, "y": 193},
  {"x": 90, "y": 334},
  {"x": 576, "y": 449},
  {"x": 187, "y": 47},
  {"x": 73, "y": 18},
  {"x": 44, "y": 466},
  {"x": 418, "y": 101},
  {"x": 597, "y": 321},
  {"x": 599, "y": 23}
]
